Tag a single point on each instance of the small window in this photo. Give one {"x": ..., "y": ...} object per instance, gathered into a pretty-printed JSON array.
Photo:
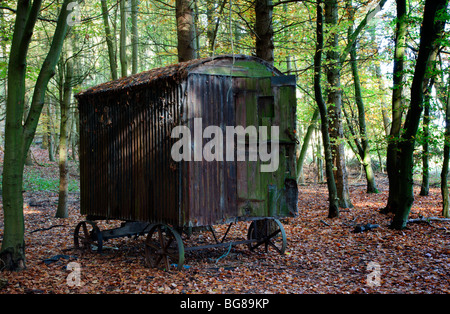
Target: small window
[{"x": 266, "y": 106}]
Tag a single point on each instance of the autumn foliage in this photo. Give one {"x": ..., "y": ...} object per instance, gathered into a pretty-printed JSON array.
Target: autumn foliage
[{"x": 324, "y": 255}]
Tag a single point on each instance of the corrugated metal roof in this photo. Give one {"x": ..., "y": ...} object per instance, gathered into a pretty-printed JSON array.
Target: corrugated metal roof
[{"x": 175, "y": 72}]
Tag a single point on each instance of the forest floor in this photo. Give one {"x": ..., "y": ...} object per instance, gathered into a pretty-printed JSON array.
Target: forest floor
[{"x": 323, "y": 255}]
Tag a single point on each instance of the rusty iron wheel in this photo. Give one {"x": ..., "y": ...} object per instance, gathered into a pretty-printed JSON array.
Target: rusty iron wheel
[
  {"x": 164, "y": 248},
  {"x": 267, "y": 233},
  {"x": 87, "y": 236}
]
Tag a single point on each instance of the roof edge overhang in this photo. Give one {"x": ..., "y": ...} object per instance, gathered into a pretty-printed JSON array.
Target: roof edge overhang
[{"x": 231, "y": 65}]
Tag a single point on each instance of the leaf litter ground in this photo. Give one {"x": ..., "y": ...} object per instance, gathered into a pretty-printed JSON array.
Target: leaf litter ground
[{"x": 323, "y": 255}]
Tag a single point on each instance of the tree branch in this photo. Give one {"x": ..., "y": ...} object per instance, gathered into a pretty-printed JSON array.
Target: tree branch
[
  {"x": 427, "y": 219},
  {"x": 352, "y": 38},
  {"x": 39, "y": 18},
  {"x": 290, "y": 1},
  {"x": 46, "y": 72}
]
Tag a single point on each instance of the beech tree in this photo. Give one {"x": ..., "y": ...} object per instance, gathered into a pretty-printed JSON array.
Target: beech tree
[
  {"x": 434, "y": 17},
  {"x": 333, "y": 200},
  {"x": 444, "y": 172},
  {"x": 335, "y": 57},
  {"x": 18, "y": 135},
  {"x": 65, "y": 81},
  {"x": 185, "y": 30},
  {"x": 123, "y": 39},
  {"x": 362, "y": 144},
  {"x": 110, "y": 42},
  {"x": 306, "y": 141},
  {"x": 397, "y": 105},
  {"x": 264, "y": 30}
]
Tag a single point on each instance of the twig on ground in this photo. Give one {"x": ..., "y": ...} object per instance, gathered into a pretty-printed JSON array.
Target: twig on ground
[
  {"x": 44, "y": 229},
  {"x": 427, "y": 219}
]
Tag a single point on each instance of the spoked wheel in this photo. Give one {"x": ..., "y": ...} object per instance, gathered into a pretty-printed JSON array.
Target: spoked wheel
[
  {"x": 164, "y": 247},
  {"x": 267, "y": 233},
  {"x": 87, "y": 236}
]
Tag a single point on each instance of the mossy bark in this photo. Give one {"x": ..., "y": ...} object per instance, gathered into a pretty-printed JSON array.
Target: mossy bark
[
  {"x": 18, "y": 136},
  {"x": 431, "y": 30}
]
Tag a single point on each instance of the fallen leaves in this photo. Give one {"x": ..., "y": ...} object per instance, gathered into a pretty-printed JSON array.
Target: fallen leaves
[{"x": 323, "y": 255}]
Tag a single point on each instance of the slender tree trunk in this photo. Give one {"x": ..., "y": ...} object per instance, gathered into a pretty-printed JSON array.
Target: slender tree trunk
[
  {"x": 286, "y": 34},
  {"x": 123, "y": 39},
  {"x": 397, "y": 105},
  {"x": 319, "y": 158},
  {"x": 134, "y": 37},
  {"x": 75, "y": 133},
  {"x": 18, "y": 136},
  {"x": 425, "y": 186},
  {"x": 264, "y": 30},
  {"x": 185, "y": 30},
  {"x": 444, "y": 172},
  {"x": 210, "y": 36},
  {"x": 334, "y": 103},
  {"x": 45, "y": 132},
  {"x": 213, "y": 22},
  {"x": 196, "y": 31},
  {"x": 51, "y": 132},
  {"x": 305, "y": 144},
  {"x": 333, "y": 209},
  {"x": 382, "y": 90},
  {"x": 110, "y": 42},
  {"x": 431, "y": 29},
  {"x": 62, "y": 211},
  {"x": 364, "y": 152}
]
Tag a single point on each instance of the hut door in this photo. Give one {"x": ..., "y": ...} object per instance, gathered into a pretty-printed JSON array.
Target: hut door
[
  {"x": 210, "y": 185},
  {"x": 266, "y": 102}
]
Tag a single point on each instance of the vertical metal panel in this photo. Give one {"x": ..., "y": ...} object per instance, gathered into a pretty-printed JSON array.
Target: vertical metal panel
[
  {"x": 126, "y": 168},
  {"x": 211, "y": 188}
]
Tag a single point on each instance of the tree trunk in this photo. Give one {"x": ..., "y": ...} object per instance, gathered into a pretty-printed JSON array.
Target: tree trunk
[
  {"x": 213, "y": 21},
  {"x": 123, "y": 39},
  {"x": 431, "y": 29},
  {"x": 319, "y": 158},
  {"x": 109, "y": 41},
  {"x": 333, "y": 209},
  {"x": 364, "y": 150},
  {"x": 210, "y": 34},
  {"x": 397, "y": 101},
  {"x": 382, "y": 89},
  {"x": 264, "y": 30},
  {"x": 305, "y": 144},
  {"x": 185, "y": 30},
  {"x": 334, "y": 103},
  {"x": 425, "y": 186},
  {"x": 18, "y": 136},
  {"x": 75, "y": 133},
  {"x": 134, "y": 37},
  {"x": 51, "y": 131},
  {"x": 444, "y": 172},
  {"x": 62, "y": 211}
]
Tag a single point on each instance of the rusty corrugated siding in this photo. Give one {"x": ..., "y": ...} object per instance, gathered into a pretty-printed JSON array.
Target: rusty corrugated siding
[
  {"x": 126, "y": 168},
  {"x": 127, "y": 171},
  {"x": 210, "y": 186}
]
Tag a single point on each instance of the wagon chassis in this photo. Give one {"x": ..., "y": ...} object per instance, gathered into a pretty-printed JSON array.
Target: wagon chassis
[{"x": 164, "y": 247}]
